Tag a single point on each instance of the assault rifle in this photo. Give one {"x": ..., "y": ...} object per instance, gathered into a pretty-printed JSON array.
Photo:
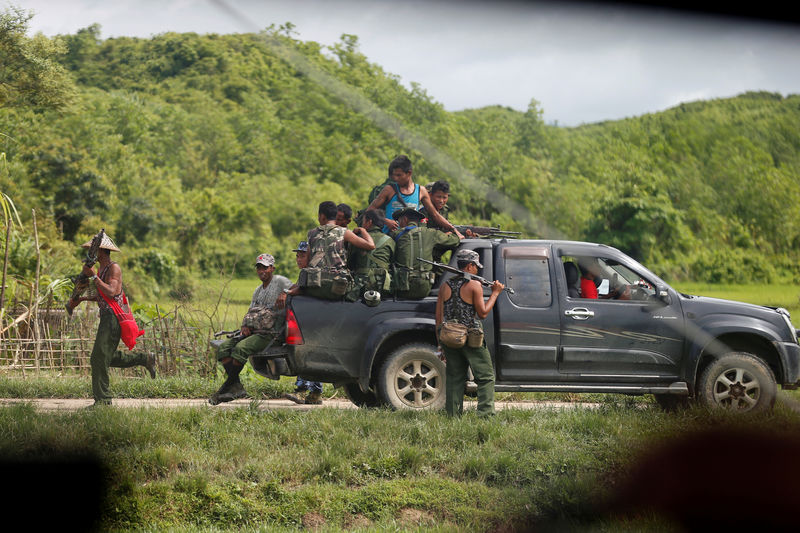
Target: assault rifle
[
  {"x": 447, "y": 268},
  {"x": 486, "y": 232},
  {"x": 81, "y": 281}
]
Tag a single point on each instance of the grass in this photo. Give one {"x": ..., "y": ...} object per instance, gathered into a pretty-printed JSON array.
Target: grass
[
  {"x": 774, "y": 295},
  {"x": 245, "y": 469}
]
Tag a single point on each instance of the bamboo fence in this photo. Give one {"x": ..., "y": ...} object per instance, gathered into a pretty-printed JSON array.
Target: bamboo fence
[{"x": 51, "y": 341}]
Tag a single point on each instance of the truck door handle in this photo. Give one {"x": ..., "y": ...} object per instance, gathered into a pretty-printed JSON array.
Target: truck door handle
[{"x": 579, "y": 313}]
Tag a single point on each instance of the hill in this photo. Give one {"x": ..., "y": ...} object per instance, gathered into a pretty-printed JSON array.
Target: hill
[{"x": 195, "y": 152}]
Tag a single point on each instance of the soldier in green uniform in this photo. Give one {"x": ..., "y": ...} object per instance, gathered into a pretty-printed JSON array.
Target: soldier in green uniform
[
  {"x": 439, "y": 192},
  {"x": 326, "y": 275},
  {"x": 370, "y": 269},
  {"x": 413, "y": 278}
]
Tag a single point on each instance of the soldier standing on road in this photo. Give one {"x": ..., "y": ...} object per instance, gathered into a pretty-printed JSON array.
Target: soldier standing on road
[
  {"x": 303, "y": 386},
  {"x": 263, "y": 322},
  {"x": 105, "y": 353},
  {"x": 461, "y": 300},
  {"x": 413, "y": 278}
]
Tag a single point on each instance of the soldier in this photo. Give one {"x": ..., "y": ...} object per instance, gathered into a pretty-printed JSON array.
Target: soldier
[
  {"x": 105, "y": 354},
  {"x": 344, "y": 214},
  {"x": 370, "y": 269},
  {"x": 303, "y": 386},
  {"x": 413, "y": 278},
  {"x": 439, "y": 192},
  {"x": 461, "y": 301},
  {"x": 405, "y": 193},
  {"x": 263, "y": 322},
  {"x": 326, "y": 275}
]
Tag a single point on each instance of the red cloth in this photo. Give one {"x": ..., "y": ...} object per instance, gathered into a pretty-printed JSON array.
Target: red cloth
[
  {"x": 129, "y": 329},
  {"x": 588, "y": 289}
]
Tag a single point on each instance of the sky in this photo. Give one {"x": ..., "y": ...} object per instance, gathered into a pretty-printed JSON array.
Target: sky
[{"x": 582, "y": 62}]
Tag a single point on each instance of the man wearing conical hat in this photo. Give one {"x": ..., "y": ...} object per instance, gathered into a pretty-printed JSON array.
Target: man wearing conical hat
[{"x": 105, "y": 354}]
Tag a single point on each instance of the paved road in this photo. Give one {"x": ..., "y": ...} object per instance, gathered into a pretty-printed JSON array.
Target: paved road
[{"x": 58, "y": 404}]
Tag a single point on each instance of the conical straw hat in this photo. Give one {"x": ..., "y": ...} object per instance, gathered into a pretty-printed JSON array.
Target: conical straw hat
[{"x": 106, "y": 243}]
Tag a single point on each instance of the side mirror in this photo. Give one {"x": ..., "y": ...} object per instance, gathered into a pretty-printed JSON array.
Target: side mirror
[{"x": 663, "y": 295}]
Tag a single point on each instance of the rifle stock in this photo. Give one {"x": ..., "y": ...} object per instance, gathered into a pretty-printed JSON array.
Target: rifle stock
[{"x": 447, "y": 268}]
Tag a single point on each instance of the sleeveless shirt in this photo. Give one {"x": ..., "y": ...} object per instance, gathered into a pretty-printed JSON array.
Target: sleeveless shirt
[
  {"x": 457, "y": 310},
  {"x": 411, "y": 200}
]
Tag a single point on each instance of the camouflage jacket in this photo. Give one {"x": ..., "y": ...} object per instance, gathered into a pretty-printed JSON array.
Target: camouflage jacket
[{"x": 326, "y": 248}]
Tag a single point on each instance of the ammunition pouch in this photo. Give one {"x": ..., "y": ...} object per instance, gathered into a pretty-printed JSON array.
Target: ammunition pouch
[{"x": 326, "y": 284}]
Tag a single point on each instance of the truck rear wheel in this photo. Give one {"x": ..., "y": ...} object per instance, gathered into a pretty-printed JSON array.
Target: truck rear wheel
[
  {"x": 359, "y": 397},
  {"x": 738, "y": 381},
  {"x": 412, "y": 377}
]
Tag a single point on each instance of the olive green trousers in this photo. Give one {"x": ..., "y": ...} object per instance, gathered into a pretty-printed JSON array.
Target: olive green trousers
[
  {"x": 105, "y": 355},
  {"x": 459, "y": 361}
]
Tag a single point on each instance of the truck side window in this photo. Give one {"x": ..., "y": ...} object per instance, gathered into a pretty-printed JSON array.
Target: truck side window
[{"x": 530, "y": 279}]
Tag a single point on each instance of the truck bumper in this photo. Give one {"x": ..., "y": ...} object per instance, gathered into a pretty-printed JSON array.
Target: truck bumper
[{"x": 791, "y": 351}]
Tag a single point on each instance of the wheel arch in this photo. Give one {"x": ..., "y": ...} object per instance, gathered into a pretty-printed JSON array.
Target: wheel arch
[
  {"x": 386, "y": 341},
  {"x": 752, "y": 343}
]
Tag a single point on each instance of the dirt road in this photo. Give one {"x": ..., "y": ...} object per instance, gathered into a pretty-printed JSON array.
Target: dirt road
[{"x": 59, "y": 404}]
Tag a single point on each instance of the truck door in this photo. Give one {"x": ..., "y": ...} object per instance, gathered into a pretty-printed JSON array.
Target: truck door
[
  {"x": 624, "y": 332},
  {"x": 527, "y": 321}
]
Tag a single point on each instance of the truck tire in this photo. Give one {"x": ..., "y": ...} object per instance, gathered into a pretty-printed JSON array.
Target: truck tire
[
  {"x": 412, "y": 377},
  {"x": 360, "y": 398},
  {"x": 738, "y": 381}
]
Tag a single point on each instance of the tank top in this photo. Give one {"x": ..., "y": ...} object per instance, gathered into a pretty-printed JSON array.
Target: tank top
[
  {"x": 455, "y": 309},
  {"x": 101, "y": 303},
  {"x": 411, "y": 200}
]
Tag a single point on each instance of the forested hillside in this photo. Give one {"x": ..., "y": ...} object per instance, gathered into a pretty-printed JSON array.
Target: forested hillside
[{"x": 196, "y": 152}]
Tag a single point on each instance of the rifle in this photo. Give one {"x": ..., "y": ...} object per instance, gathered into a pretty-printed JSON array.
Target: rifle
[
  {"x": 486, "y": 232},
  {"x": 447, "y": 268},
  {"x": 81, "y": 281}
]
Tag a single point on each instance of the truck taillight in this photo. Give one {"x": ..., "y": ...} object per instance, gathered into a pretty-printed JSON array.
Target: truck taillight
[{"x": 293, "y": 335}]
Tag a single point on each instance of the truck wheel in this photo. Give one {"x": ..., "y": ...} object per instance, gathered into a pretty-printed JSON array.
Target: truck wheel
[
  {"x": 412, "y": 377},
  {"x": 738, "y": 381},
  {"x": 359, "y": 397}
]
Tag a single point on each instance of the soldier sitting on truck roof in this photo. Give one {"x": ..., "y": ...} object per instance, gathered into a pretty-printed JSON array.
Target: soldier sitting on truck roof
[
  {"x": 326, "y": 275},
  {"x": 370, "y": 269},
  {"x": 413, "y": 278}
]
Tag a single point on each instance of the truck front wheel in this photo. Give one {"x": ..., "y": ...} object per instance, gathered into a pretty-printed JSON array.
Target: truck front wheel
[
  {"x": 738, "y": 381},
  {"x": 412, "y": 377}
]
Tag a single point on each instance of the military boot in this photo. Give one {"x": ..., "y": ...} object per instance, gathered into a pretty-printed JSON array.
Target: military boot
[
  {"x": 225, "y": 392},
  {"x": 150, "y": 364},
  {"x": 299, "y": 396},
  {"x": 314, "y": 398}
]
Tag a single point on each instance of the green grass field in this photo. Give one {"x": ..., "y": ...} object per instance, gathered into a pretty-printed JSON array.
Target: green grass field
[{"x": 327, "y": 470}]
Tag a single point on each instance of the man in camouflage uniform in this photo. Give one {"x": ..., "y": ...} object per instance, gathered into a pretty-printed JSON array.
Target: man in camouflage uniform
[
  {"x": 269, "y": 298},
  {"x": 413, "y": 278},
  {"x": 370, "y": 269},
  {"x": 439, "y": 192},
  {"x": 303, "y": 386},
  {"x": 326, "y": 275}
]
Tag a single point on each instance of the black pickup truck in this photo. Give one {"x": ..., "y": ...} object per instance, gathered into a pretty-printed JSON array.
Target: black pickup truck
[{"x": 640, "y": 336}]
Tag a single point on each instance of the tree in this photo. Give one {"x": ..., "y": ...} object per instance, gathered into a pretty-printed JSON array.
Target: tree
[{"x": 29, "y": 72}]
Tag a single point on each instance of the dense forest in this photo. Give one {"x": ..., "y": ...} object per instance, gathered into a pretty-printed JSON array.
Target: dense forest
[{"x": 196, "y": 152}]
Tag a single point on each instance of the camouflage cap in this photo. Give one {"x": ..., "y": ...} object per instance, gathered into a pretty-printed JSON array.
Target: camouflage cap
[
  {"x": 266, "y": 260},
  {"x": 302, "y": 247},
  {"x": 469, "y": 255}
]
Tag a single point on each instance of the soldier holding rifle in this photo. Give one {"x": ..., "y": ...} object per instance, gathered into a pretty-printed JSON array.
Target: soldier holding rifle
[
  {"x": 461, "y": 308},
  {"x": 105, "y": 354}
]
